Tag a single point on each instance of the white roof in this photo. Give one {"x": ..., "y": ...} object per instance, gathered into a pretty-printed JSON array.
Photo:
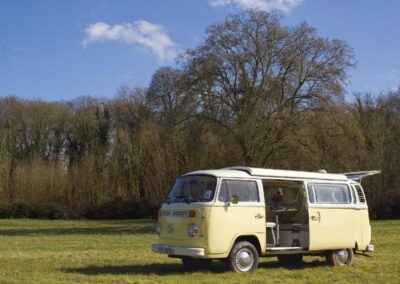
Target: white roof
[
  {"x": 221, "y": 173},
  {"x": 244, "y": 172}
]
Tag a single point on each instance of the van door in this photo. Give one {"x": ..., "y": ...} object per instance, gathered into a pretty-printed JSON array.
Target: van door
[
  {"x": 332, "y": 217},
  {"x": 228, "y": 221}
]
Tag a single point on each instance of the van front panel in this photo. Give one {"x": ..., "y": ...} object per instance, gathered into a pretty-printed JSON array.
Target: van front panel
[{"x": 174, "y": 222}]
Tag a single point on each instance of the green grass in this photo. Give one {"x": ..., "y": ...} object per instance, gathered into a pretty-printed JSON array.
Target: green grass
[{"x": 119, "y": 252}]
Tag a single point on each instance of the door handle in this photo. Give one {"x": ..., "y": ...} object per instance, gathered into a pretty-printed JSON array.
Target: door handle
[
  {"x": 259, "y": 216},
  {"x": 316, "y": 217}
]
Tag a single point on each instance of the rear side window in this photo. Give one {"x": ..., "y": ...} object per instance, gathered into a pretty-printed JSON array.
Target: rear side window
[
  {"x": 247, "y": 191},
  {"x": 329, "y": 193}
]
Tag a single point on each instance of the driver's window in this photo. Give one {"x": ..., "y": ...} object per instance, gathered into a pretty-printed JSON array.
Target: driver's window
[{"x": 246, "y": 190}]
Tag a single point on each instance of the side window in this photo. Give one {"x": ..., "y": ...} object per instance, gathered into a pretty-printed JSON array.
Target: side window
[
  {"x": 329, "y": 193},
  {"x": 247, "y": 191}
]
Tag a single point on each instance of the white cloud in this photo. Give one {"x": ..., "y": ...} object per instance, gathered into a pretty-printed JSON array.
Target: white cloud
[
  {"x": 140, "y": 33},
  {"x": 263, "y": 5}
]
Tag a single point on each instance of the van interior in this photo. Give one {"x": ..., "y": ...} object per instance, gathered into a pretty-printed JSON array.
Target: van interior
[{"x": 286, "y": 215}]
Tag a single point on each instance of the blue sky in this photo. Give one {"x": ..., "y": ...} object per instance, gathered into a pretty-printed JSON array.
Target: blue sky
[{"x": 60, "y": 50}]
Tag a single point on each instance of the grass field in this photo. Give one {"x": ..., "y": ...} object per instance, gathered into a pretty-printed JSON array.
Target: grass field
[{"x": 119, "y": 252}]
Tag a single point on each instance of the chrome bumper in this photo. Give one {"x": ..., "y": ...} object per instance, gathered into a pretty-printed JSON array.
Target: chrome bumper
[{"x": 173, "y": 250}]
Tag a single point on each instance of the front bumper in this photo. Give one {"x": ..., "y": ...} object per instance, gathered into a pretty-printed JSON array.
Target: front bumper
[{"x": 174, "y": 250}]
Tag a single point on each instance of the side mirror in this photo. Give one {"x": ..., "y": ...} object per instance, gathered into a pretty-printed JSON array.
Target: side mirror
[{"x": 235, "y": 199}]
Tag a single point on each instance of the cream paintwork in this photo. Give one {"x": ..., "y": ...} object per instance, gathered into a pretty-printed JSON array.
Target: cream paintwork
[
  {"x": 228, "y": 222},
  {"x": 179, "y": 235},
  {"x": 365, "y": 237},
  {"x": 332, "y": 228},
  {"x": 220, "y": 224},
  {"x": 339, "y": 228}
]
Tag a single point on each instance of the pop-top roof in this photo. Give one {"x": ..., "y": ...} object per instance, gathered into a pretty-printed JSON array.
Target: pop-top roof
[
  {"x": 358, "y": 176},
  {"x": 289, "y": 174},
  {"x": 243, "y": 172}
]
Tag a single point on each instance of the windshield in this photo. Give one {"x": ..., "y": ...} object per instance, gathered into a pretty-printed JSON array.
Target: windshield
[{"x": 193, "y": 189}]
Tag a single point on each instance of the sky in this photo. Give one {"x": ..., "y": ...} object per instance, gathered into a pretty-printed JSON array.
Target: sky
[{"x": 60, "y": 50}]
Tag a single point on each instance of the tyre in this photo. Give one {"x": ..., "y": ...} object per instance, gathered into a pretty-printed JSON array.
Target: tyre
[
  {"x": 243, "y": 257},
  {"x": 341, "y": 257},
  {"x": 290, "y": 259},
  {"x": 191, "y": 264}
]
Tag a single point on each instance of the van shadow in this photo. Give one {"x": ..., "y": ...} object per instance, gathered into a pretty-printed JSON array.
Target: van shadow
[
  {"x": 140, "y": 269},
  {"x": 174, "y": 269},
  {"x": 303, "y": 265}
]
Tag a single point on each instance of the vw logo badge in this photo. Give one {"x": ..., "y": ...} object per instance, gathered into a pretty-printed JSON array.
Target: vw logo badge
[{"x": 170, "y": 228}]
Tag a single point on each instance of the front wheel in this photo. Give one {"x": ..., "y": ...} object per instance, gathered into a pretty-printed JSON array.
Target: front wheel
[
  {"x": 243, "y": 257},
  {"x": 341, "y": 257}
]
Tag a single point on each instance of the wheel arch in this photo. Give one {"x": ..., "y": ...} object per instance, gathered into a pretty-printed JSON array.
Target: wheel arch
[{"x": 253, "y": 239}]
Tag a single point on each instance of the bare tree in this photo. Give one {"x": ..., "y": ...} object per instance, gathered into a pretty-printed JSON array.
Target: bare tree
[
  {"x": 256, "y": 79},
  {"x": 167, "y": 97}
]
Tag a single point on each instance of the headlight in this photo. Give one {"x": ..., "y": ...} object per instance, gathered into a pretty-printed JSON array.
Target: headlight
[
  {"x": 158, "y": 228},
  {"x": 192, "y": 230}
]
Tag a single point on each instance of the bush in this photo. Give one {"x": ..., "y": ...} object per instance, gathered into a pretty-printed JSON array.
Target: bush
[
  {"x": 6, "y": 211},
  {"x": 52, "y": 211},
  {"x": 121, "y": 209},
  {"x": 112, "y": 209},
  {"x": 22, "y": 209}
]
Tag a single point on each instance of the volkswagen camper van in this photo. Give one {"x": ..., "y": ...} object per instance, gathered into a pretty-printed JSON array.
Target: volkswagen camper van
[{"x": 239, "y": 214}]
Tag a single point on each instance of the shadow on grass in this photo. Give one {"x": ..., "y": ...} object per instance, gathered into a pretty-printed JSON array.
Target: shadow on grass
[
  {"x": 175, "y": 269},
  {"x": 141, "y": 269},
  {"x": 303, "y": 265},
  {"x": 99, "y": 230}
]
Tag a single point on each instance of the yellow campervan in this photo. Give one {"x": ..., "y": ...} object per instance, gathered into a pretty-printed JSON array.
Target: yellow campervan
[{"x": 239, "y": 214}]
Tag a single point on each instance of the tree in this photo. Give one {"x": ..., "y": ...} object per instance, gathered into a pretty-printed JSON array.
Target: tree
[
  {"x": 166, "y": 96},
  {"x": 257, "y": 79},
  {"x": 379, "y": 120}
]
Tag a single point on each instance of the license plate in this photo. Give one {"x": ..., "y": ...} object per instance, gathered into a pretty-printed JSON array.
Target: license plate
[{"x": 166, "y": 250}]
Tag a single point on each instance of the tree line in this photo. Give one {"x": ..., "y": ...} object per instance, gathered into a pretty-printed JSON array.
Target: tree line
[{"x": 254, "y": 93}]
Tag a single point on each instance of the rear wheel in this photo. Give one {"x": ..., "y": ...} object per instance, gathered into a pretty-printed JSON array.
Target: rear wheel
[
  {"x": 243, "y": 257},
  {"x": 341, "y": 257},
  {"x": 290, "y": 259},
  {"x": 195, "y": 263}
]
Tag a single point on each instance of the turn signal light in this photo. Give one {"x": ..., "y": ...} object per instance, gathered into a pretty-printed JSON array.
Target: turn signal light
[{"x": 192, "y": 213}]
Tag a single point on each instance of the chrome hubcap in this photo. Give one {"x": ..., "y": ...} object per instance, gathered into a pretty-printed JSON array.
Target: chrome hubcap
[
  {"x": 342, "y": 256},
  {"x": 244, "y": 259}
]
